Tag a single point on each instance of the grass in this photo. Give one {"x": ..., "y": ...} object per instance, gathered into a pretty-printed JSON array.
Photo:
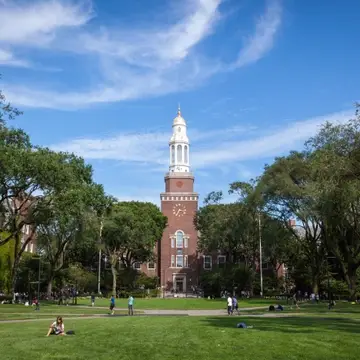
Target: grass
[
  {"x": 313, "y": 336},
  {"x": 20, "y": 312},
  {"x": 177, "y": 303}
]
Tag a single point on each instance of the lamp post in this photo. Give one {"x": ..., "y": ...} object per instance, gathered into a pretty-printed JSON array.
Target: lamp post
[
  {"x": 260, "y": 257},
  {"x": 328, "y": 282},
  {"x": 39, "y": 276}
]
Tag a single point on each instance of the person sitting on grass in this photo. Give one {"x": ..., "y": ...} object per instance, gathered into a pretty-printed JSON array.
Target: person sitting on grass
[{"x": 57, "y": 327}]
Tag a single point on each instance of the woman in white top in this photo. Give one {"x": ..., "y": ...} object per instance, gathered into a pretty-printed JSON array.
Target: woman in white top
[{"x": 57, "y": 327}]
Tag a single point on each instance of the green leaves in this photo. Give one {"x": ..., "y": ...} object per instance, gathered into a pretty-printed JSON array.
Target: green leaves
[{"x": 131, "y": 231}]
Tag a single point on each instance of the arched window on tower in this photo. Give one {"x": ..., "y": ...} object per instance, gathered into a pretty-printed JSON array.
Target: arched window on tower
[
  {"x": 179, "y": 153},
  {"x": 172, "y": 154},
  {"x": 186, "y": 154},
  {"x": 179, "y": 239}
]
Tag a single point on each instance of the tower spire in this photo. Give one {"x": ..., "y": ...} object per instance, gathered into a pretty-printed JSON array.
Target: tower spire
[{"x": 179, "y": 146}]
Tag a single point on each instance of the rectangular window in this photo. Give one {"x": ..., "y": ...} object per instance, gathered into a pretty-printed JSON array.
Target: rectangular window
[
  {"x": 186, "y": 264},
  {"x": 207, "y": 262},
  {"x": 186, "y": 242},
  {"x": 179, "y": 261},
  {"x": 172, "y": 260},
  {"x": 179, "y": 239},
  {"x": 151, "y": 266},
  {"x": 137, "y": 266},
  {"x": 172, "y": 242},
  {"x": 221, "y": 260}
]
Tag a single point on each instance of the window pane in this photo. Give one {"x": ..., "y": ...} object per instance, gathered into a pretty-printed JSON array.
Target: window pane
[
  {"x": 172, "y": 242},
  {"x": 207, "y": 262},
  {"x": 173, "y": 154},
  {"x": 179, "y": 153},
  {"x": 185, "y": 242},
  {"x": 151, "y": 265},
  {"x": 179, "y": 239},
  {"x": 179, "y": 261},
  {"x": 172, "y": 260},
  {"x": 179, "y": 252},
  {"x": 186, "y": 154}
]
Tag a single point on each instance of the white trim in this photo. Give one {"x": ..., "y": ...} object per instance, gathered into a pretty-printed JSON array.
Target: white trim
[
  {"x": 207, "y": 257},
  {"x": 172, "y": 239},
  {"x": 151, "y": 268},
  {"x": 186, "y": 261},
  {"x": 180, "y": 277},
  {"x": 172, "y": 263},
  {"x": 186, "y": 242}
]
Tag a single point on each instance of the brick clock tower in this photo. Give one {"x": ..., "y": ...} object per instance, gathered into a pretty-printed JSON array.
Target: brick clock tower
[{"x": 178, "y": 256}]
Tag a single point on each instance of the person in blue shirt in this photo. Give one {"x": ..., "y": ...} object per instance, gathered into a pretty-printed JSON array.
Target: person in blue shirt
[
  {"x": 112, "y": 304},
  {"x": 131, "y": 305},
  {"x": 235, "y": 305}
]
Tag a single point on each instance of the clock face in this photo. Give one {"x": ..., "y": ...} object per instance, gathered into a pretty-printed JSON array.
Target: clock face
[{"x": 179, "y": 210}]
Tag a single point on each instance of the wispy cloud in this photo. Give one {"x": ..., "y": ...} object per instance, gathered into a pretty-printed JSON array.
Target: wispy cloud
[
  {"x": 226, "y": 146},
  {"x": 37, "y": 23},
  {"x": 165, "y": 58},
  {"x": 8, "y": 59},
  {"x": 262, "y": 41}
]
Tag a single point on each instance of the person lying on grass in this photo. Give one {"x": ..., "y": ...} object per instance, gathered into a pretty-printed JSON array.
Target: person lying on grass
[{"x": 57, "y": 327}]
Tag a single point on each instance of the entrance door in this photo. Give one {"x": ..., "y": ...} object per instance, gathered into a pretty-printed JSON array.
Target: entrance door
[{"x": 179, "y": 285}]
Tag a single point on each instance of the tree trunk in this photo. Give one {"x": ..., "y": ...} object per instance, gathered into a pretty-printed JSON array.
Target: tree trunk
[
  {"x": 351, "y": 280},
  {"x": 49, "y": 286},
  {"x": 114, "y": 275},
  {"x": 13, "y": 276},
  {"x": 315, "y": 285}
]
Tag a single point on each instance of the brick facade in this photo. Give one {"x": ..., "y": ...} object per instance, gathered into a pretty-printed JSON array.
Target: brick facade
[{"x": 178, "y": 258}]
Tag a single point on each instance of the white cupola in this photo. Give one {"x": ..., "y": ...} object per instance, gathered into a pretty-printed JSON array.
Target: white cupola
[{"x": 179, "y": 146}]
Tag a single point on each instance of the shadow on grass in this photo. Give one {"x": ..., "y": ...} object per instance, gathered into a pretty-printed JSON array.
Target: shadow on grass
[{"x": 296, "y": 324}]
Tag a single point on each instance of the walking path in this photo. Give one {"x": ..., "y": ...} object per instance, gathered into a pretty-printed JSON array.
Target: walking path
[
  {"x": 148, "y": 312},
  {"x": 219, "y": 312}
]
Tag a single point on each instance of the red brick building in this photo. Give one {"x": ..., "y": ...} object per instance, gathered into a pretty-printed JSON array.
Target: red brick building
[
  {"x": 178, "y": 263},
  {"x": 178, "y": 259}
]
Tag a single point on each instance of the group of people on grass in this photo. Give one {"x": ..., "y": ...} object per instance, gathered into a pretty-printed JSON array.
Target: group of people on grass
[
  {"x": 232, "y": 305},
  {"x": 58, "y": 327},
  {"x": 130, "y": 305}
]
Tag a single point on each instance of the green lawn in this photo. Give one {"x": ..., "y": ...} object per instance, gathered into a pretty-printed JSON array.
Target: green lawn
[
  {"x": 18, "y": 312},
  {"x": 176, "y": 303},
  {"x": 200, "y": 338}
]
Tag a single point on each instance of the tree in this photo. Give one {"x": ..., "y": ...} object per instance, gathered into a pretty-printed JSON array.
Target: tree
[
  {"x": 7, "y": 112},
  {"x": 30, "y": 179},
  {"x": 68, "y": 217},
  {"x": 227, "y": 228},
  {"x": 335, "y": 157},
  {"x": 130, "y": 233},
  {"x": 287, "y": 191}
]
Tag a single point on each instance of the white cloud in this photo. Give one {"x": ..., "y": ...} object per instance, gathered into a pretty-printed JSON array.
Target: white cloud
[
  {"x": 36, "y": 22},
  {"x": 165, "y": 58},
  {"x": 8, "y": 59},
  {"x": 225, "y": 146},
  {"x": 262, "y": 41}
]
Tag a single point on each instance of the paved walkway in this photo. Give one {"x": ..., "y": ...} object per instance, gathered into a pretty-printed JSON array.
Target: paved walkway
[
  {"x": 143, "y": 312},
  {"x": 179, "y": 312}
]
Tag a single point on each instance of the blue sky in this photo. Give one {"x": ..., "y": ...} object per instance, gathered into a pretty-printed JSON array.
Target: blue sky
[{"x": 103, "y": 79}]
